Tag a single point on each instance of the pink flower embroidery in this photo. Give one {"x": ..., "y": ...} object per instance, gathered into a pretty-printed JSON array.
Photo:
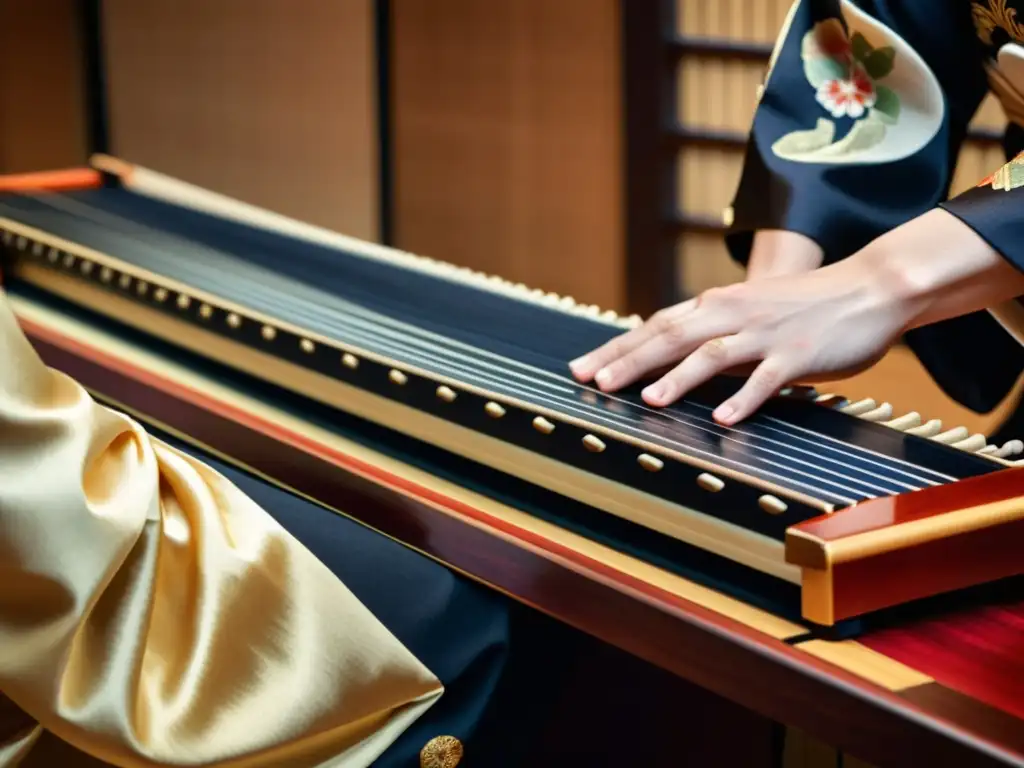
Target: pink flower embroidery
[{"x": 849, "y": 96}]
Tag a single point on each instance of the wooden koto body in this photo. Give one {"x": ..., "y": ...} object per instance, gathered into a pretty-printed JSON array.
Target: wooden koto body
[
  {"x": 817, "y": 507},
  {"x": 873, "y": 696}
]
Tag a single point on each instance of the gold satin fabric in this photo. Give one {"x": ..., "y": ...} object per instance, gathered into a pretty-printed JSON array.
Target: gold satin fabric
[{"x": 151, "y": 614}]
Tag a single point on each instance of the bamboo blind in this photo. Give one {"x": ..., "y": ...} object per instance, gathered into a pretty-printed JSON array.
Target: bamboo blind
[{"x": 717, "y": 94}]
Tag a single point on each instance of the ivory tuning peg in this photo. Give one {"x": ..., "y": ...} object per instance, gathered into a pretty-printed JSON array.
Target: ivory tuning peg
[
  {"x": 859, "y": 407},
  {"x": 951, "y": 436},
  {"x": 973, "y": 443},
  {"x": 881, "y": 413},
  {"x": 913, "y": 424},
  {"x": 905, "y": 422},
  {"x": 928, "y": 429},
  {"x": 1010, "y": 448}
]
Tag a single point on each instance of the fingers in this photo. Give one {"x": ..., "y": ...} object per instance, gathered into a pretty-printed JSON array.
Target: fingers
[
  {"x": 712, "y": 358},
  {"x": 718, "y": 333},
  {"x": 663, "y": 341},
  {"x": 676, "y": 340},
  {"x": 659, "y": 352},
  {"x": 768, "y": 378},
  {"x": 586, "y": 368}
]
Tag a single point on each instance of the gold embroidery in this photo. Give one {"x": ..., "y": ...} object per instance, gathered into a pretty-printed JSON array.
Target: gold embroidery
[
  {"x": 1007, "y": 178},
  {"x": 990, "y": 15},
  {"x": 441, "y": 752}
]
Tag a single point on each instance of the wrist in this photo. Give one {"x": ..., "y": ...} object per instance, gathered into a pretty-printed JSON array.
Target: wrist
[
  {"x": 935, "y": 267},
  {"x": 777, "y": 252}
]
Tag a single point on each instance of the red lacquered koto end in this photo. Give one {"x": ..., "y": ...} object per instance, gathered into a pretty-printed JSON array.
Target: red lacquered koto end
[{"x": 889, "y": 551}]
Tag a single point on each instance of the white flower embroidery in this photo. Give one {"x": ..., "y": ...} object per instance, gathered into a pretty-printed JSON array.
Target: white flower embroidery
[{"x": 849, "y": 96}]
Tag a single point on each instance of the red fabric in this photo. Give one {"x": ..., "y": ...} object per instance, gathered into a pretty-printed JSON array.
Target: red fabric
[{"x": 978, "y": 652}]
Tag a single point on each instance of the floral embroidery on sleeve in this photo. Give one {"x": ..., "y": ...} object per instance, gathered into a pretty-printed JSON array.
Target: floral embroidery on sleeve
[{"x": 845, "y": 72}]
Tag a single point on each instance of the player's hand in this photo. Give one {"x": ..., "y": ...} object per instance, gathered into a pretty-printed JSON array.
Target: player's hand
[
  {"x": 827, "y": 322},
  {"x": 777, "y": 253},
  {"x": 833, "y": 320}
]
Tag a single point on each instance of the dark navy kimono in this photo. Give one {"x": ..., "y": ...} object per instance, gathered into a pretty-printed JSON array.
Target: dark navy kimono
[{"x": 862, "y": 115}]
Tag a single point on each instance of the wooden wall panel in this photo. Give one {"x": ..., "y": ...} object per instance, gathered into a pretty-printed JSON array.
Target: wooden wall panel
[
  {"x": 272, "y": 102},
  {"x": 507, "y": 140},
  {"x": 42, "y": 103}
]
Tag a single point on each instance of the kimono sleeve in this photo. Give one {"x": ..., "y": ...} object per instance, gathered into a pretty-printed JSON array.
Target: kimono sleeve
[
  {"x": 994, "y": 209},
  {"x": 860, "y": 120}
]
